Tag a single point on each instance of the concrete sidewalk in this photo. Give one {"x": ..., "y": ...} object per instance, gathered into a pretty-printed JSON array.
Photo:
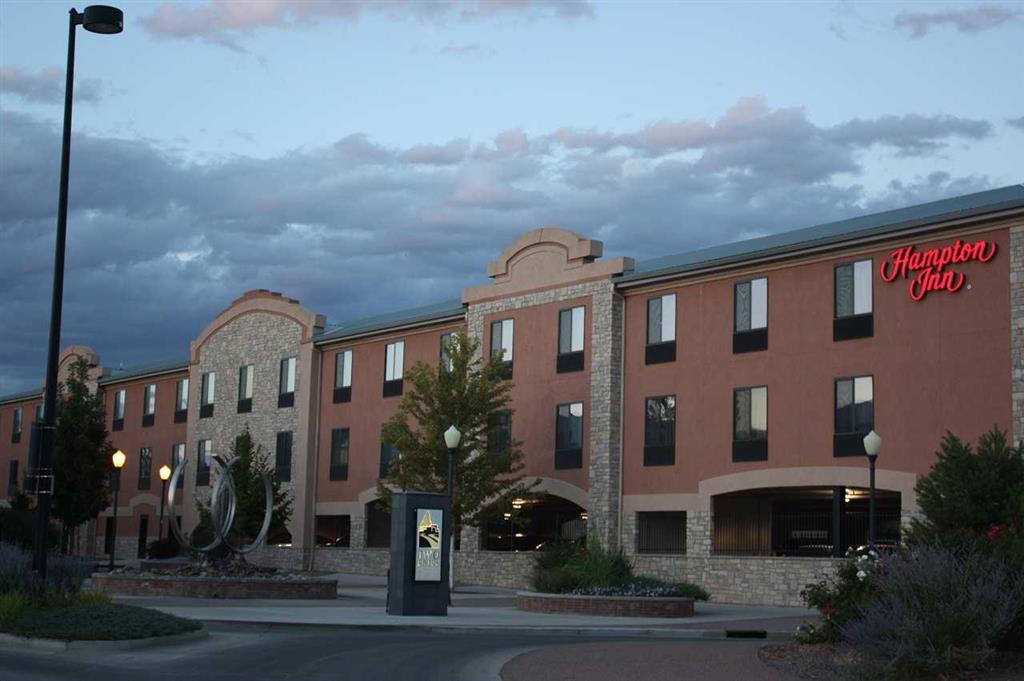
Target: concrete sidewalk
[{"x": 361, "y": 602}]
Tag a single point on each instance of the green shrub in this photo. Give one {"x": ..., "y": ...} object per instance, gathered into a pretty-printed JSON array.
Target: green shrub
[
  {"x": 839, "y": 599},
  {"x": 597, "y": 566},
  {"x": 91, "y": 598},
  {"x": 13, "y": 604},
  {"x": 160, "y": 549},
  {"x": 933, "y": 612}
]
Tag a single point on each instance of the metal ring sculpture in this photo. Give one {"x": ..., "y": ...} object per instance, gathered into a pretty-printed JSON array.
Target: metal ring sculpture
[{"x": 222, "y": 522}]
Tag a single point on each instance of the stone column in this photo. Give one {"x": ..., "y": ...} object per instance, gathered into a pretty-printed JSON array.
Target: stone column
[{"x": 698, "y": 533}]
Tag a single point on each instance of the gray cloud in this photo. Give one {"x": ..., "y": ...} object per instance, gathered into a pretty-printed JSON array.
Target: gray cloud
[
  {"x": 158, "y": 244},
  {"x": 970, "y": 20},
  {"x": 229, "y": 22},
  {"x": 1016, "y": 122},
  {"x": 46, "y": 86}
]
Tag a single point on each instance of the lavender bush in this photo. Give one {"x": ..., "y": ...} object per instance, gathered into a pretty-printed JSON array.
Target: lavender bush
[
  {"x": 643, "y": 588},
  {"x": 15, "y": 569},
  {"x": 935, "y": 611}
]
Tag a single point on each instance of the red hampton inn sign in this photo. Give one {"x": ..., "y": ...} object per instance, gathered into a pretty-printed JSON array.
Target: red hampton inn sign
[{"x": 927, "y": 271}]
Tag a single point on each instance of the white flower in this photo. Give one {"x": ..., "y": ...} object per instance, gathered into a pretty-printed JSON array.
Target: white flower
[{"x": 861, "y": 574}]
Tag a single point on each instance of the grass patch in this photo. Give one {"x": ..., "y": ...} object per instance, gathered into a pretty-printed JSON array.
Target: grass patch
[{"x": 97, "y": 622}]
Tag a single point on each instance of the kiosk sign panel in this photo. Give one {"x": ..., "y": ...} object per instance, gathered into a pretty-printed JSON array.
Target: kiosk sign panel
[{"x": 429, "y": 531}]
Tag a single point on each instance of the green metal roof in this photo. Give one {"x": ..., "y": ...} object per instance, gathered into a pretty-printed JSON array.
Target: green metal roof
[
  {"x": 368, "y": 325},
  {"x": 142, "y": 370},
  {"x": 875, "y": 224}
]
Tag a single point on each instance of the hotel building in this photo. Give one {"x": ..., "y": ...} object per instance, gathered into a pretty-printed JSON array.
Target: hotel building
[{"x": 704, "y": 411}]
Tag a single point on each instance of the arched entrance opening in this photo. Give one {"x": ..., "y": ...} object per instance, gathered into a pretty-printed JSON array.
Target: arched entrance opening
[{"x": 530, "y": 524}]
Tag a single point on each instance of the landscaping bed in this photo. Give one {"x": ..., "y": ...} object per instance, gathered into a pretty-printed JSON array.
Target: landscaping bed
[
  {"x": 99, "y": 622},
  {"x": 606, "y": 606}
]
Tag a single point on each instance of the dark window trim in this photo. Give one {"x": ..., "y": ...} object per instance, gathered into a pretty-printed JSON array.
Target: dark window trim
[
  {"x": 244, "y": 406},
  {"x": 202, "y": 469},
  {"x": 647, "y": 319},
  {"x": 117, "y": 424},
  {"x": 853, "y": 327},
  {"x": 284, "y": 443},
  {"x": 569, "y": 362},
  {"x": 394, "y": 388},
  {"x": 660, "y": 455},
  {"x": 148, "y": 420},
  {"x": 558, "y": 348},
  {"x": 343, "y": 394},
  {"x": 568, "y": 458},
  {"x": 144, "y": 481},
  {"x": 385, "y": 464},
  {"x": 181, "y": 416},
  {"x": 339, "y": 471},
  {"x": 205, "y": 411},
  {"x": 750, "y": 450},
  {"x": 339, "y": 358},
  {"x": 835, "y": 288},
  {"x": 285, "y": 400},
  {"x": 845, "y": 443},
  {"x": 660, "y": 353},
  {"x": 754, "y": 340}
]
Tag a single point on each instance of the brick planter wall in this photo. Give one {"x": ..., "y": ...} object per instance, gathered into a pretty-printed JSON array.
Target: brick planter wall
[
  {"x": 606, "y": 606},
  {"x": 201, "y": 587}
]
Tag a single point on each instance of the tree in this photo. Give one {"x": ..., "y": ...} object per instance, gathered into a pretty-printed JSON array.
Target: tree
[
  {"x": 81, "y": 453},
  {"x": 250, "y": 497},
  {"x": 464, "y": 391},
  {"x": 967, "y": 493}
]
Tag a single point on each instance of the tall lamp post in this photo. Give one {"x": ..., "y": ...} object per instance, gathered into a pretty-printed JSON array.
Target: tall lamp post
[
  {"x": 118, "y": 459},
  {"x": 165, "y": 475},
  {"x": 452, "y": 436},
  {"x": 872, "y": 444},
  {"x": 96, "y": 19}
]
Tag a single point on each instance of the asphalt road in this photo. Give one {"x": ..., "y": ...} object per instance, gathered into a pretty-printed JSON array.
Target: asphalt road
[{"x": 234, "y": 653}]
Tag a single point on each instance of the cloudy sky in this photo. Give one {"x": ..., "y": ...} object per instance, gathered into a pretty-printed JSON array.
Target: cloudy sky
[{"x": 373, "y": 156}]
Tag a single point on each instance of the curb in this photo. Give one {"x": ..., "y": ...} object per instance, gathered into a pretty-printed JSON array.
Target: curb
[
  {"x": 60, "y": 645},
  {"x": 622, "y": 632}
]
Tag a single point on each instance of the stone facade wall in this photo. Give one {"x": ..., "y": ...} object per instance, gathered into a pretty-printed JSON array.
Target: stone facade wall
[
  {"x": 1017, "y": 328},
  {"x": 263, "y": 340},
  {"x": 605, "y": 333}
]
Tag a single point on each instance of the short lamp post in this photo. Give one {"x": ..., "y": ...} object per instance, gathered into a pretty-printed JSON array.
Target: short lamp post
[
  {"x": 872, "y": 444},
  {"x": 95, "y": 19},
  {"x": 118, "y": 460},
  {"x": 452, "y": 437},
  {"x": 165, "y": 475}
]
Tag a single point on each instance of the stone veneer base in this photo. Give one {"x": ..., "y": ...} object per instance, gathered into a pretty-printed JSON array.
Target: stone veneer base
[
  {"x": 201, "y": 587},
  {"x": 604, "y": 606}
]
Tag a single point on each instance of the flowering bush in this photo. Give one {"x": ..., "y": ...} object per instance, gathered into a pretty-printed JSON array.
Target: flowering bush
[
  {"x": 838, "y": 598},
  {"x": 933, "y": 612},
  {"x": 645, "y": 588}
]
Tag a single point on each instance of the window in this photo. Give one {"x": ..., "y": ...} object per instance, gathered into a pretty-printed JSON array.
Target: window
[
  {"x": 343, "y": 376},
  {"x": 206, "y": 394},
  {"x": 570, "y": 339},
  {"x": 145, "y": 467},
  {"x": 339, "y": 454},
  {"x": 661, "y": 532},
  {"x": 39, "y": 413},
  {"x": 148, "y": 405},
  {"x": 448, "y": 343},
  {"x": 750, "y": 424},
  {"x": 853, "y": 308},
  {"x": 12, "y": 478},
  {"x": 502, "y": 333},
  {"x": 177, "y": 459},
  {"x": 750, "y": 312},
  {"x": 119, "y": 400},
  {"x": 661, "y": 329},
  {"x": 181, "y": 401},
  {"x": 378, "y": 526},
  {"x": 499, "y": 437},
  {"x": 394, "y": 368},
  {"x": 855, "y": 414},
  {"x": 283, "y": 456},
  {"x": 569, "y": 435},
  {"x": 143, "y": 535},
  {"x": 246, "y": 374},
  {"x": 333, "y": 530},
  {"x": 204, "y": 452},
  {"x": 286, "y": 389},
  {"x": 660, "y": 431},
  {"x": 16, "y": 427},
  {"x": 388, "y": 456}
]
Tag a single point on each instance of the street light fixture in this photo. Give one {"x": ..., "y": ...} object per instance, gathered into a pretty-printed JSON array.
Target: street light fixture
[
  {"x": 872, "y": 445},
  {"x": 96, "y": 19},
  {"x": 165, "y": 475},
  {"x": 118, "y": 460},
  {"x": 452, "y": 437}
]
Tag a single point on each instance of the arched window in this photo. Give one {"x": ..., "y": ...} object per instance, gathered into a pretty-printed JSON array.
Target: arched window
[{"x": 529, "y": 524}]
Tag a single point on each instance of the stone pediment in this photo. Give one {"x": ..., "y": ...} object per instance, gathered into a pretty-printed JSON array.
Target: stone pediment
[{"x": 546, "y": 258}]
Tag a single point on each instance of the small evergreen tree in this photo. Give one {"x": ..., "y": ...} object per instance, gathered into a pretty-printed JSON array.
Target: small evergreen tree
[
  {"x": 81, "y": 453},
  {"x": 471, "y": 394},
  {"x": 250, "y": 497},
  {"x": 969, "y": 492}
]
